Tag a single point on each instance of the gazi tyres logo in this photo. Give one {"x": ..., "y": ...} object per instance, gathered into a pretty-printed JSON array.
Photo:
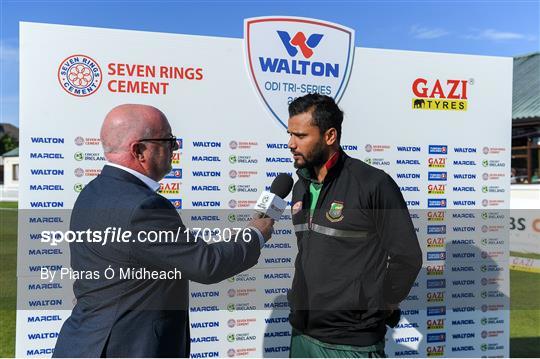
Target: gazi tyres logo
[
  {"x": 440, "y": 94},
  {"x": 289, "y": 57}
]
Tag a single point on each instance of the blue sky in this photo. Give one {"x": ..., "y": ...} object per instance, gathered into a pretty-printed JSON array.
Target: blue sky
[{"x": 494, "y": 28}]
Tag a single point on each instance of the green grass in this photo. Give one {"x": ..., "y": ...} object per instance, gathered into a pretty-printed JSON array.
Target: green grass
[
  {"x": 524, "y": 314},
  {"x": 525, "y": 255},
  {"x": 9, "y": 204},
  {"x": 524, "y": 296},
  {"x": 8, "y": 278}
]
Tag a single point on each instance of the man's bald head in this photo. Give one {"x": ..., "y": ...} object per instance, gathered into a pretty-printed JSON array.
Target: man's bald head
[
  {"x": 127, "y": 123},
  {"x": 136, "y": 136}
]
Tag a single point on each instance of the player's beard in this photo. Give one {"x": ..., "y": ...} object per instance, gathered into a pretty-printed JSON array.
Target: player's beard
[{"x": 316, "y": 158}]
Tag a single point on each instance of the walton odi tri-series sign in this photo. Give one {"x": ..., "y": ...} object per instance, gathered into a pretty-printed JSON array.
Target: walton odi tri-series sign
[{"x": 288, "y": 57}]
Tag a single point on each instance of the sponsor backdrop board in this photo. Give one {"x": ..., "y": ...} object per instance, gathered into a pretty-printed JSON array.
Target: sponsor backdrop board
[{"x": 439, "y": 124}]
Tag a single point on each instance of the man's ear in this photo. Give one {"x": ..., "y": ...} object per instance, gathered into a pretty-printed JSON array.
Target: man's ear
[
  {"x": 330, "y": 136},
  {"x": 136, "y": 149}
]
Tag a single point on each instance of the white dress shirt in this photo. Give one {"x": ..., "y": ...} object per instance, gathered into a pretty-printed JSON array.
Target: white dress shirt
[{"x": 153, "y": 185}]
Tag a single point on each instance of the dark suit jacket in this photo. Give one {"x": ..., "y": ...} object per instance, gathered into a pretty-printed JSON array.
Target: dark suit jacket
[{"x": 138, "y": 318}]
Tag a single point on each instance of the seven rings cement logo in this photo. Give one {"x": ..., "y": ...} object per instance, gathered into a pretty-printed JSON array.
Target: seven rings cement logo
[{"x": 79, "y": 75}]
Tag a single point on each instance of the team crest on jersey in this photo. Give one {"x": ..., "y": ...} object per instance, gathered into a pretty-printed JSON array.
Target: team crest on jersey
[
  {"x": 296, "y": 207},
  {"x": 335, "y": 213}
]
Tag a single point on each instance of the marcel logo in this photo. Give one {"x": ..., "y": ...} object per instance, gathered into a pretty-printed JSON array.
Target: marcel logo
[{"x": 445, "y": 95}]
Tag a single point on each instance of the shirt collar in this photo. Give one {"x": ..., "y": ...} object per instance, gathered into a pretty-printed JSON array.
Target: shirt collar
[
  {"x": 153, "y": 185},
  {"x": 330, "y": 164},
  {"x": 332, "y": 161}
]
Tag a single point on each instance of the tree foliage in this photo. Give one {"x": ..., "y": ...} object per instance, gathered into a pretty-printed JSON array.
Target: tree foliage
[{"x": 7, "y": 143}]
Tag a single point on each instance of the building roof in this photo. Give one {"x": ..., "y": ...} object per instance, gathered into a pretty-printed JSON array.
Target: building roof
[
  {"x": 526, "y": 88},
  {"x": 11, "y": 130},
  {"x": 13, "y": 153}
]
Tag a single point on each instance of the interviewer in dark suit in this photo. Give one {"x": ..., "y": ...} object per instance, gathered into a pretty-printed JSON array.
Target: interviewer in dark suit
[{"x": 140, "y": 317}]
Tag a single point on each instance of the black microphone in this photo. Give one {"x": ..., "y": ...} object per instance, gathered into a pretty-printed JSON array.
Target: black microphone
[
  {"x": 271, "y": 204},
  {"x": 282, "y": 185}
]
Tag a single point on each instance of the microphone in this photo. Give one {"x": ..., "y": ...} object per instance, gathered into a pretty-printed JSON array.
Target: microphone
[{"x": 271, "y": 204}]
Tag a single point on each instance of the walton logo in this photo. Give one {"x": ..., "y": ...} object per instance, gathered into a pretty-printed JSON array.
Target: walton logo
[
  {"x": 299, "y": 40},
  {"x": 283, "y": 65}
]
